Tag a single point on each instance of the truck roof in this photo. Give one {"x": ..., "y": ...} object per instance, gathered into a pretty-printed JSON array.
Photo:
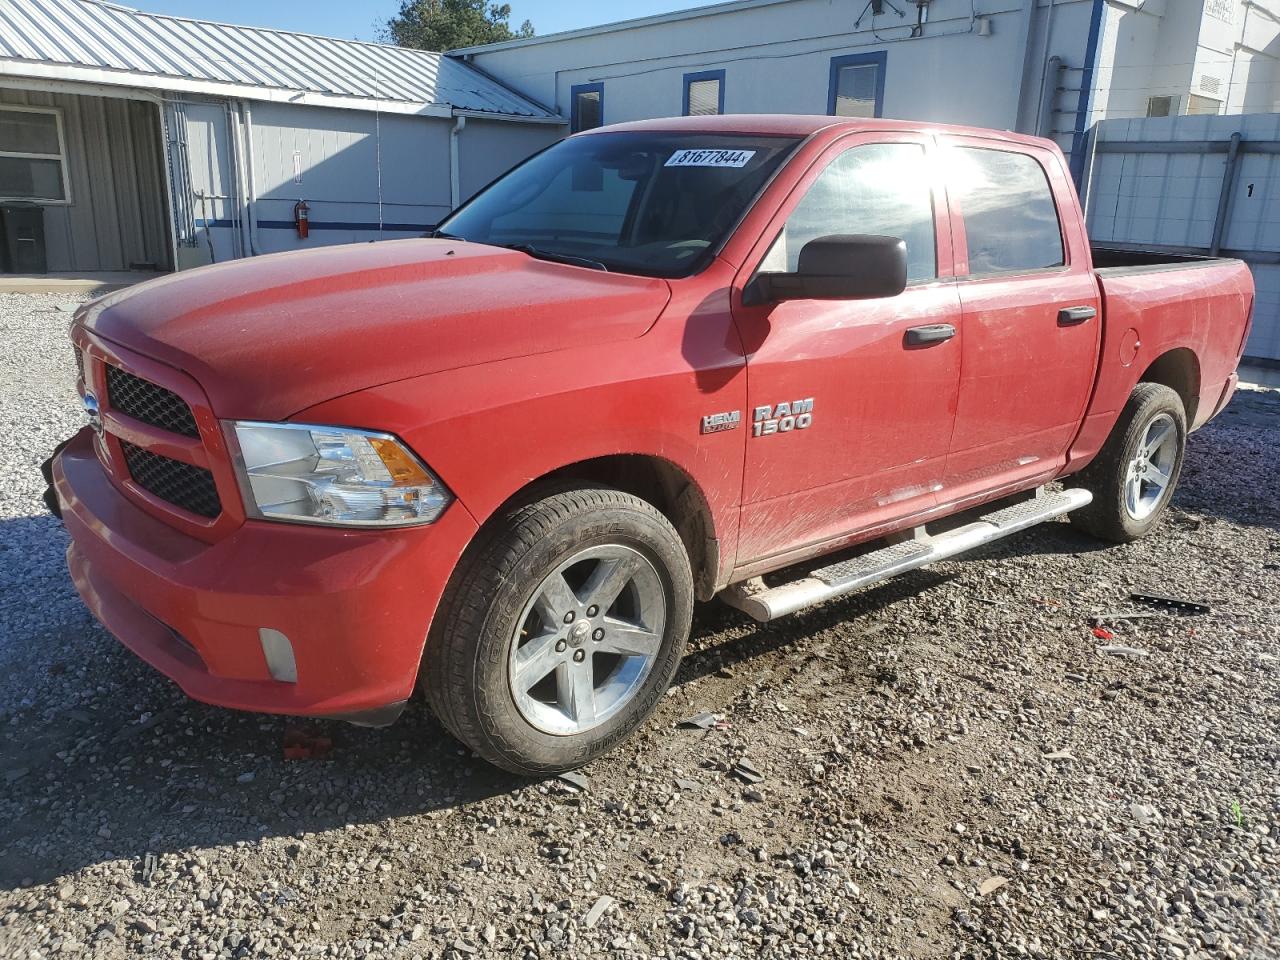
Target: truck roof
[{"x": 804, "y": 125}]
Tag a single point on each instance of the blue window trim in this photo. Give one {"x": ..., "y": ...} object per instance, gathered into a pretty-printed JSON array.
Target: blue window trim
[
  {"x": 691, "y": 78},
  {"x": 880, "y": 58},
  {"x": 576, "y": 89}
]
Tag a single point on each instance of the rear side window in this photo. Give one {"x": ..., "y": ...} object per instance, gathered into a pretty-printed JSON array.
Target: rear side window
[
  {"x": 1010, "y": 218},
  {"x": 877, "y": 188}
]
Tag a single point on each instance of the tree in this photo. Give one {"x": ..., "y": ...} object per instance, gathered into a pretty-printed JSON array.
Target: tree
[{"x": 448, "y": 24}]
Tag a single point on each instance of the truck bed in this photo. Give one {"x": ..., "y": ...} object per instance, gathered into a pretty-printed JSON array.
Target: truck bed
[{"x": 1119, "y": 260}]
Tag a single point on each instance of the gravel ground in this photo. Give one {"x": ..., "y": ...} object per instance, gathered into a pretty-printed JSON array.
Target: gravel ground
[{"x": 951, "y": 767}]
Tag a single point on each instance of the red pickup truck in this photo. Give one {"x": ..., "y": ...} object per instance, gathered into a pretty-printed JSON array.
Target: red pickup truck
[{"x": 654, "y": 363}]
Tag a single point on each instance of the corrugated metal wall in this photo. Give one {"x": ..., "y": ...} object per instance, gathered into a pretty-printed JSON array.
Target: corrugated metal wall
[
  {"x": 117, "y": 215},
  {"x": 1159, "y": 183}
]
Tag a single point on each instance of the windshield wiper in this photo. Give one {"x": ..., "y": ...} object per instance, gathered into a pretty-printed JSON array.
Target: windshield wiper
[
  {"x": 569, "y": 258},
  {"x": 441, "y": 235}
]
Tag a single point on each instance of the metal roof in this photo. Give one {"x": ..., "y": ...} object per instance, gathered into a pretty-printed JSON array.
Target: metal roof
[
  {"x": 693, "y": 12},
  {"x": 106, "y": 43}
]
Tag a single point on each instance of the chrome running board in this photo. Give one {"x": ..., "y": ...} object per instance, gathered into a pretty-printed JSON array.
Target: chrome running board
[{"x": 768, "y": 603}]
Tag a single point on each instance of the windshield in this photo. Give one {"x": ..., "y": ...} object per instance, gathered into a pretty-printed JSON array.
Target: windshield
[{"x": 657, "y": 204}]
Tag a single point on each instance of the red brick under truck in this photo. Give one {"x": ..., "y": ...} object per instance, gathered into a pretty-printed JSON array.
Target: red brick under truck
[{"x": 764, "y": 357}]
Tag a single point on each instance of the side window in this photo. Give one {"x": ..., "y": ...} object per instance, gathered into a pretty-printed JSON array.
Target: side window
[
  {"x": 1009, "y": 215},
  {"x": 586, "y": 111},
  {"x": 879, "y": 188}
]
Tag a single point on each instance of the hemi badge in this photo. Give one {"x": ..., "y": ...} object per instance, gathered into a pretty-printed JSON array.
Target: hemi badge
[{"x": 719, "y": 422}]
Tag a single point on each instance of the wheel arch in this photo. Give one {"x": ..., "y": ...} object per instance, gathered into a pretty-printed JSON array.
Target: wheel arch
[
  {"x": 657, "y": 481},
  {"x": 1179, "y": 370}
]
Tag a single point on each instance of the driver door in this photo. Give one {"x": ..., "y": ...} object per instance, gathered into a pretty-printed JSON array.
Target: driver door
[{"x": 849, "y": 418}]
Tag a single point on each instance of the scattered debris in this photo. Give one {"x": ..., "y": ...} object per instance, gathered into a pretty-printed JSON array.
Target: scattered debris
[
  {"x": 703, "y": 721},
  {"x": 1144, "y": 814},
  {"x": 1112, "y": 616},
  {"x": 1058, "y": 755},
  {"x": 574, "y": 780},
  {"x": 1119, "y": 650},
  {"x": 148, "y": 870},
  {"x": 1173, "y": 603},
  {"x": 689, "y": 786},
  {"x": 745, "y": 770},
  {"x": 598, "y": 910},
  {"x": 1102, "y": 633},
  {"x": 303, "y": 744},
  {"x": 991, "y": 885}
]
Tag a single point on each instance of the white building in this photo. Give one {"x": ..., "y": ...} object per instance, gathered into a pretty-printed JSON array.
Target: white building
[
  {"x": 1052, "y": 67},
  {"x": 135, "y": 141}
]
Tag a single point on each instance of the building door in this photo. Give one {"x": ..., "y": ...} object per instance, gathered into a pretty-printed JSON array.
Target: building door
[{"x": 849, "y": 422}]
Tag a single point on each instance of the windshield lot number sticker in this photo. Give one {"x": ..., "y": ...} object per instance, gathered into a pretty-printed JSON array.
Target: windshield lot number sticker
[
  {"x": 710, "y": 158},
  {"x": 785, "y": 417}
]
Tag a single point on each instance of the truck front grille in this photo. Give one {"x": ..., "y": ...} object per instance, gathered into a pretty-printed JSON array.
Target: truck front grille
[
  {"x": 182, "y": 484},
  {"x": 150, "y": 403}
]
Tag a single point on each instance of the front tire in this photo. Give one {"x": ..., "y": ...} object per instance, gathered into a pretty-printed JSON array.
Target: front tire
[
  {"x": 1134, "y": 475},
  {"x": 561, "y": 630}
]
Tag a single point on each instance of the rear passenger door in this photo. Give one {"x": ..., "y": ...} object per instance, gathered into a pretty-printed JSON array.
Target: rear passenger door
[{"x": 1030, "y": 315}]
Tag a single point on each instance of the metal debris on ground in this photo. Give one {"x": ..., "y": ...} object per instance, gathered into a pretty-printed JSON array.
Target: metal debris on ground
[
  {"x": 598, "y": 910},
  {"x": 1119, "y": 650},
  {"x": 1111, "y": 616},
  {"x": 1102, "y": 633},
  {"x": 688, "y": 786},
  {"x": 149, "y": 864},
  {"x": 573, "y": 780},
  {"x": 703, "y": 721},
  {"x": 1058, "y": 755},
  {"x": 1173, "y": 603},
  {"x": 744, "y": 769}
]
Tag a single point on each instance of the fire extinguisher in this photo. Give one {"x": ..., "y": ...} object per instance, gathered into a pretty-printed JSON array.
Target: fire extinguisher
[{"x": 301, "y": 213}]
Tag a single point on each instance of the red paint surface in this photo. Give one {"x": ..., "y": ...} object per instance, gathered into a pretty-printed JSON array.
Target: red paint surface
[{"x": 498, "y": 369}]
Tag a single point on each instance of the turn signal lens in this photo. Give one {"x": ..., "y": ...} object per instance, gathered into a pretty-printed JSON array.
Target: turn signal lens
[{"x": 334, "y": 475}]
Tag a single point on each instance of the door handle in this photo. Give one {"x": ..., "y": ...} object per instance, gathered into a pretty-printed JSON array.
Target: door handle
[
  {"x": 930, "y": 333},
  {"x": 1070, "y": 316}
]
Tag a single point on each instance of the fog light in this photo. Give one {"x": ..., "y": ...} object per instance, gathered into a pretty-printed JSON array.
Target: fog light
[{"x": 279, "y": 653}]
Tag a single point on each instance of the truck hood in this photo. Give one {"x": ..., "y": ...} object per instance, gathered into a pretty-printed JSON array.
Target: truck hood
[{"x": 269, "y": 336}]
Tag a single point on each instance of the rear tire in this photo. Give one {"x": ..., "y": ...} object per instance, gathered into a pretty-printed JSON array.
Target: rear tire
[
  {"x": 1134, "y": 475},
  {"x": 561, "y": 630}
]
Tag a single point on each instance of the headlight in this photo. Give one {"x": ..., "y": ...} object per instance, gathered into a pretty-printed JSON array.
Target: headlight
[{"x": 313, "y": 474}]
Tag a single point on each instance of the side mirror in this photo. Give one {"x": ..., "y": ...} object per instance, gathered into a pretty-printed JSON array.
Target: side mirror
[{"x": 839, "y": 267}]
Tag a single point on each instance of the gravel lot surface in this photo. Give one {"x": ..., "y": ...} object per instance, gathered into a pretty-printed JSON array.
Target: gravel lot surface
[{"x": 951, "y": 767}]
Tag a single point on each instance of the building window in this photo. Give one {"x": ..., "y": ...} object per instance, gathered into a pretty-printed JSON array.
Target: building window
[
  {"x": 857, "y": 85},
  {"x": 32, "y": 155},
  {"x": 703, "y": 93},
  {"x": 1197, "y": 104},
  {"x": 1010, "y": 219},
  {"x": 1162, "y": 106},
  {"x": 587, "y": 111}
]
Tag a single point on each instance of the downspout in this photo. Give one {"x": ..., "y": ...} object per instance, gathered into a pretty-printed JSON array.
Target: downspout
[
  {"x": 241, "y": 245},
  {"x": 170, "y": 187},
  {"x": 1027, "y": 33},
  {"x": 251, "y": 196},
  {"x": 1078, "y": 145},
  {"x": 455, "y": 189}
]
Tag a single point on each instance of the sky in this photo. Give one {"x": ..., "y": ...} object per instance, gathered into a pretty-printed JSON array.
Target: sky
[{"x": 358, "y": 20}]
